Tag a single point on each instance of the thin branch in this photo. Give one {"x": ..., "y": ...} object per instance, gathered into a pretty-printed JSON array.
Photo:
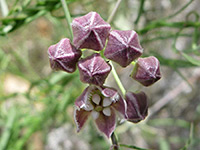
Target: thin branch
[
  {"x": 114, "y": 11},
  {"x": 115, "y": 145},
  {"x": 159, "y": 24},
  {"x": 132, "y": 147},
  {"x": 180, "y": 10},
  {"x": 117, "y": 79},
  {"x": 183, "y": 86},
  {"x": 4, "y": 8},
  {"x": 68, "y": 17},
  {"x": 141, "y": 10},
  {"x": 115, "y": 75}
]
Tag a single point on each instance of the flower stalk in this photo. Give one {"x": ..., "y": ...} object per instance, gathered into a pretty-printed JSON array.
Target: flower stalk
[
  {"x": 115, "y": 145},
  {"x": 117, "y": 79},
  {"x": 68, "y": 17}
]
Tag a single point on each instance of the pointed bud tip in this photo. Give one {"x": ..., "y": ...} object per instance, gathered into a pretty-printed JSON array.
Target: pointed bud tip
[{"x": 93, "y": 70}]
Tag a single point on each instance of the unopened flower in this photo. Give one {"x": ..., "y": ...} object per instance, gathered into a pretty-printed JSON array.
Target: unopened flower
[
  {"x": 137, "y": 106},
  {"x": 147, "y": 70},
  {"x": 123, "y": 47},
  {"x": 64, "y": 56},
  {"x": 93, "y": 69},
  {"x": 90, "y": 31},
  {"x": 101, "y": 103}
]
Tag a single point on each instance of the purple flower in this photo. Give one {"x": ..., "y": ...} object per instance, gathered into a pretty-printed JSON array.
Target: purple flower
[
  {"x": 123, "y": 47},
  {"x": 90, "y": 31},
  {"x": 137, "y": 106},
  {"x": 101, "y": 103},
  {"x": 64, "y": 56},
  {"x": 93, "y": 69},
  {"x": 147, "y": 71}
]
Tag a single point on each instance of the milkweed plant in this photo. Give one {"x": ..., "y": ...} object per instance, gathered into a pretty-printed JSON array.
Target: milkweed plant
[{"x": 105, "y": 104}]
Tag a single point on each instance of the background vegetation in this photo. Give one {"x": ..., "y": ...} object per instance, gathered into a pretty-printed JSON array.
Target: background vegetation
[{"x": 36, "y": 104}]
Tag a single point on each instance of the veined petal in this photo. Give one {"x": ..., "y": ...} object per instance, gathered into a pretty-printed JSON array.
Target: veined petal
[
  {"x": 120, "y": 106},
  {"x": 81, "y": 101},
  {"x": 80, "y": 117},
  {"x": 137, "y": 106},
  {"x": 106, "y": 124},
  {"x": 111, "y": 93}
]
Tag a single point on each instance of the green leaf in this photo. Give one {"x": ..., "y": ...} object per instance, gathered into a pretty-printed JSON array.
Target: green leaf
[
  {"x": 173, "y": 63},
  {"x": 132, "y": 147},
  {"x": 191, "y": 59}
]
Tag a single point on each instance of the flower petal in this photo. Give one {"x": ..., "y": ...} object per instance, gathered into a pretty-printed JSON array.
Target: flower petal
[
  {"x": 120, "y": 106},
  {"x": 111, "y": 93},
  {"x": 80, "y": 117},
  {"x": 81, "y": 101},
  {"x": 106, "y": 124},
  {"x": 137, "y": 106}
]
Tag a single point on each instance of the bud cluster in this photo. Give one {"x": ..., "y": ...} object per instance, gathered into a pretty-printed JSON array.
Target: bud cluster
[{"x": 123, "y": 47}]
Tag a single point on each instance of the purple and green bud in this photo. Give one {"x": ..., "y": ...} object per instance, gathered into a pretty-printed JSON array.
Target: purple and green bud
[
  {"x": 93, "y": 69},
  {"x": 147, "y": 71},
  {"x": 64, "y": 56},
  {"x": 137, "y": 106},
  {"x": 90, "y": 31},
  {"x": 123, "y": 47}
]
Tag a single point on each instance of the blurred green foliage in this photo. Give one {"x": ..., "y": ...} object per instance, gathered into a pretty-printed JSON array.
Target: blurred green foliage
[{"x": 47, "y": 102}]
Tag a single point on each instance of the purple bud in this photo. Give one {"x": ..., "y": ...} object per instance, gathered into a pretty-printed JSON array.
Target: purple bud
[
  {"x": 147, "y": 71},
  {"x": 90, "y": 31},
  {"x": 123, "y": 47},
  {"x": 64, "y": 56},
  {"x": 93, "y": 69},
  {"x": 137, "y": 106}
]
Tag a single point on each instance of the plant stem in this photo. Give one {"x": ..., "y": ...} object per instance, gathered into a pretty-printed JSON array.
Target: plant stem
[
  {"x": 68, "y": 17},
  {"x": 114, "y": 11},
  {"x": 115, "y": 145},
  {"x": 180, "y": 10},
  {"x": 162, "y": 23},
  {"x": 117, "y": 79},
  {"x": 115, "y": 75},
  {"x": 141, "y": 10},
  {"x": 132, "y": 147}
]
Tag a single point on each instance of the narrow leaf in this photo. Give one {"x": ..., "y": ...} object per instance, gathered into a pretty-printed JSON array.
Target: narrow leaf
[{"x": 191, "y": 59}]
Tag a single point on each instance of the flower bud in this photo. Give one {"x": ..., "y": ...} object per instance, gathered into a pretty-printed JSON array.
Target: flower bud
[
  {"x": 147, "y": 71},
  {"x": 137, "y": 106},
  {"x": 123, "y": 47},
  {"x": 64, "y": 56},
  {"x": 90, "y": 31},
  {"x": 93, "y": 69}
]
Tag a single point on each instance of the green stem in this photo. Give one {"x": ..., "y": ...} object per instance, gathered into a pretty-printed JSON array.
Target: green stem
[
  {"x": 114, "y": 11},
  {"x": 132, "y": 147},
  {"x": 141, "y": 10},
  {"x": 180, "y": 10},
  {"x": 160, "y": 24},
  {"x": 68, "y": 17},
  {"x": 117, "y": 79},
  {"x": 115, "y": 145},
  {"x": 115, "y": 75}
]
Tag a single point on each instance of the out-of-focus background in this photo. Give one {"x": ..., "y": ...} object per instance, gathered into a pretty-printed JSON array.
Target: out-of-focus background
[{"x": 36, "y": 104}]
